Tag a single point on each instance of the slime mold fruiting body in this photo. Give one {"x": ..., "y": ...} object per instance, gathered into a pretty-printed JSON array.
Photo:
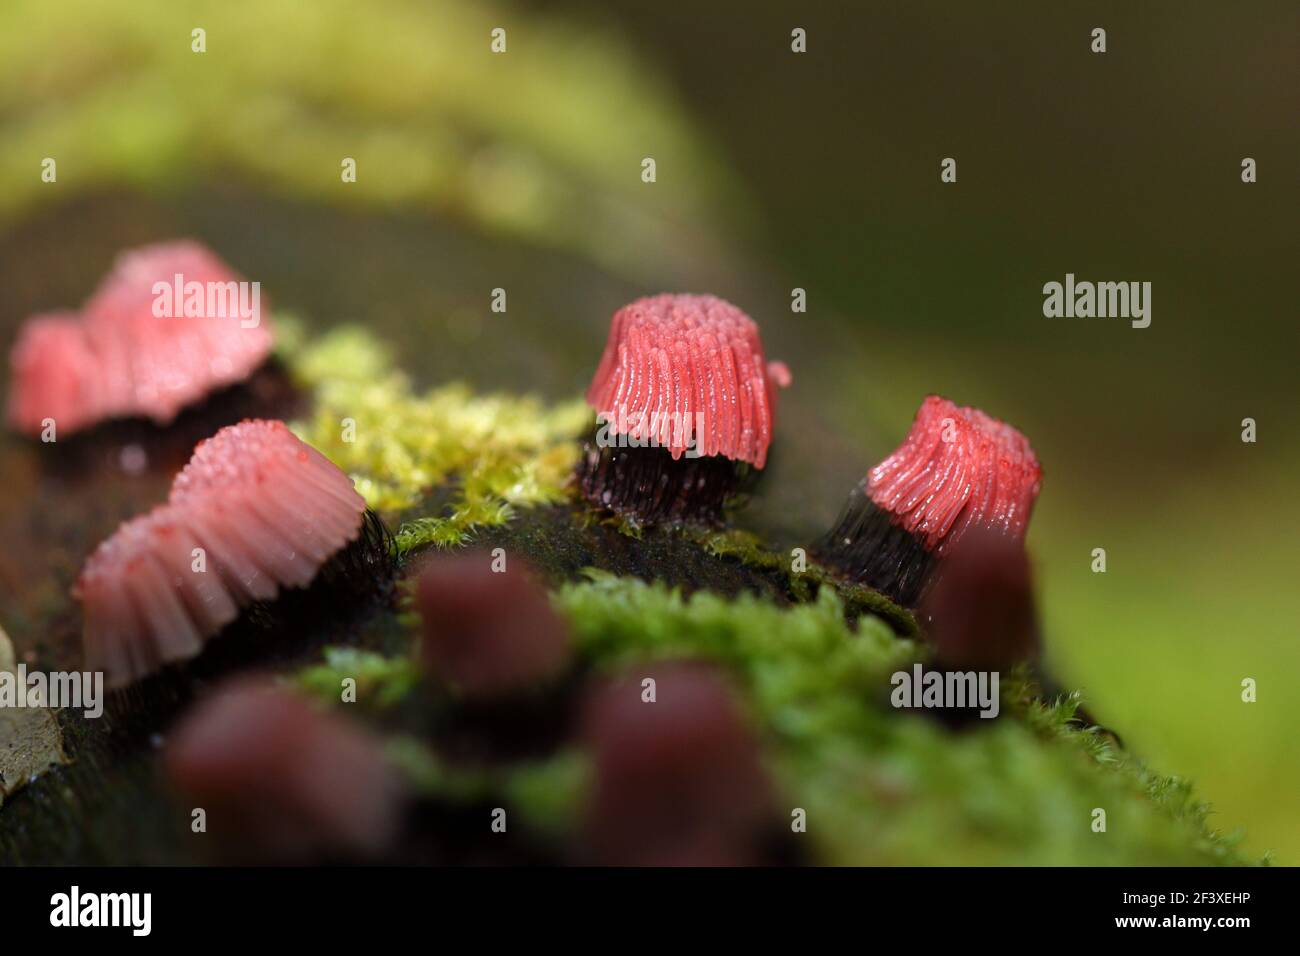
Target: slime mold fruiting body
[
  {"x": 488, "y": 631},
  {"x": 283, "y": 782},
  {"x": 679, "y": 781},
  {"x": 685, "y": 402},
  {"x": 255, "y": 510},
  {"x": 957, "y": 470},
  {"x": 980, "y": 611},
  {"x": 137, "y": 349}
]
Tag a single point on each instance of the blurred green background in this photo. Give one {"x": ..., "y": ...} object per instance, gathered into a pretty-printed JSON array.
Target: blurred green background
[{"x": 774, "y": 171}]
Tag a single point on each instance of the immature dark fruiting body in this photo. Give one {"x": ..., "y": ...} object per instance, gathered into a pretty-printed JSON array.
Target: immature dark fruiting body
[
  {"x": 980, "y": 611},
  {"x": 489, "y": 630},
  {"x": 676, "y": 782},
  {"x": 282, "y": 781}
]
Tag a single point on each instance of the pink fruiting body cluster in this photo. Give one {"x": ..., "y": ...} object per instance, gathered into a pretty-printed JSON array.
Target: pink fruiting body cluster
[
  {"x": 117, "y": 358},
  {"x": 265, "y": 509},
  {"x": 957, "y": 468},
  {"x": 670, "y": 358}
]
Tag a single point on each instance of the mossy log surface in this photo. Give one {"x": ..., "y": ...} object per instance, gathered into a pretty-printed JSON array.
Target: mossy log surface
[
  {"x": 811, "y": 656},
  {"x": 454, "y": 466}
]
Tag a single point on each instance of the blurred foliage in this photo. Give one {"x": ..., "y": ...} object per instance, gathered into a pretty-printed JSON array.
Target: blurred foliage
[
  {"x": 546, "y": 794},
  {"x": 544, "y": 141}
]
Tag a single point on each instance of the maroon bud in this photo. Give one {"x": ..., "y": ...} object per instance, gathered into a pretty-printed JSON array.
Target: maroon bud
[
  {"x": 280, "y": 781},
  {"x": 678, "y": 781},
  {"x": 981, "y": 607},
  {"x": 489, "y": 632}
]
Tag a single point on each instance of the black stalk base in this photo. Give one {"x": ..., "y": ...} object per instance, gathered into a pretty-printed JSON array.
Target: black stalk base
[
  {"x": 866, "y": 547},
  {"x": 648, "y": 486},
  {"x": 164, "y": 449}
]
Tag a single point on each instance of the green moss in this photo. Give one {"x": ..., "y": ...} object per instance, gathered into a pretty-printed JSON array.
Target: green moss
[
  {"x": 881, "y": 786},
  {"x": 625, "y": 525},
  {"x": 545, "y": 795},
  {"x": 744, "y": 546},
  {"x": 860, "y": 599},
  {"x": 432, "y": 777},
  {"x": 550, "y": 793},
  {"x": 491, "y": 453},
  {"x": 381, "y": 681}
]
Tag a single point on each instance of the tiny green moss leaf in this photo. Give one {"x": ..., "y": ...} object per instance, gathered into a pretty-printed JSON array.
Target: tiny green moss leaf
[
  {"x": 381, "y": 681},
  {"x": 493, "y": 452}
]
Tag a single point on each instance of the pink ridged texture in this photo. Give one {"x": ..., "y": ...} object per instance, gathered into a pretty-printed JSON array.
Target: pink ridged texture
[
  {"x": 117, "y": 359},
  {"x": 670, "y": 357},
  {"x": 267, "y": 510},
  {"x": 956, "y": 469}
]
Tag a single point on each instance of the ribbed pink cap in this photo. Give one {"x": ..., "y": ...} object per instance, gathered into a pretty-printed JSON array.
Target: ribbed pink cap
[
  {"x": 957, "y": 468},
  {"x": 267, "y": 511},
  {"x": 118, "y": 358},
  {"x": 676, "y": 365}
]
